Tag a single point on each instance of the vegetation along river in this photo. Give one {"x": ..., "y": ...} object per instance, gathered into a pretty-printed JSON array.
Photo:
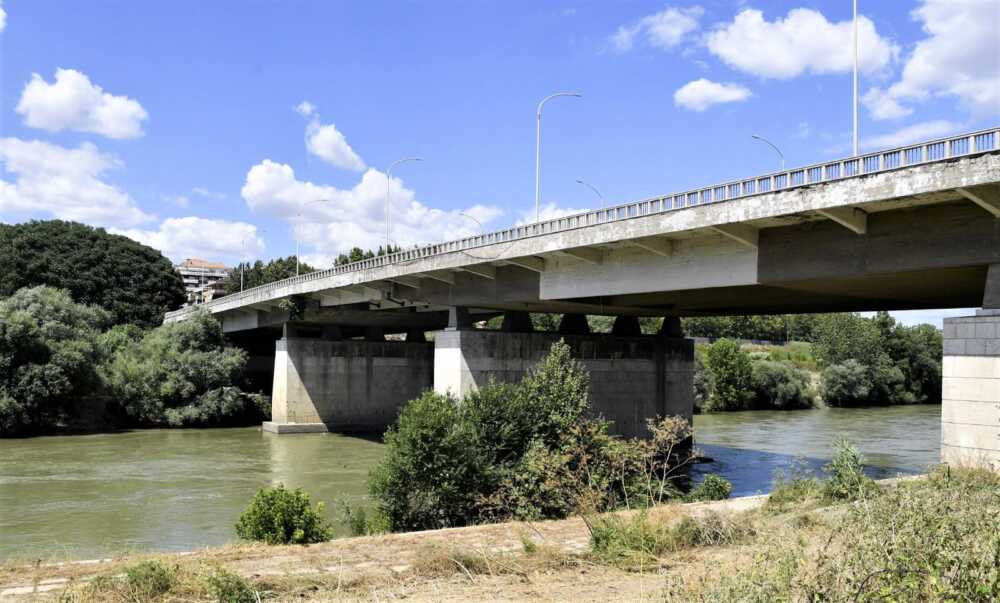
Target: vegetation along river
[{"x": 175, "y": 490}]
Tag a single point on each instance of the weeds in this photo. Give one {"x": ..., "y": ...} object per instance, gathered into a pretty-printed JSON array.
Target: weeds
[
  {"x": 225, "y": 586},
  {"x": 149, "y": 579}
]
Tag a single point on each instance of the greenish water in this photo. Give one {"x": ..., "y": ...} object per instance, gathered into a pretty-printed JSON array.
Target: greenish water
[{"x": 177, "y": 490}]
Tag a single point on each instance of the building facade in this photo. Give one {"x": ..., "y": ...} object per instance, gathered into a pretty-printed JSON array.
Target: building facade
[{"x": 202, "y": 279}]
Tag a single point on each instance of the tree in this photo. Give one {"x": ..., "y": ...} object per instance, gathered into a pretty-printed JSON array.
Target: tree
[
  {"x": 48, "y": 353},
  {"x": 180, "y": 373},
  {"x": 732, "y": 374},
  {"x": 259, "y": 273},
  {"x": 133, "y": 282}
]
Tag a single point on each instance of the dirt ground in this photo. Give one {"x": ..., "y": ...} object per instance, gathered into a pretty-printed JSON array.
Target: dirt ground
[{"x": 403, "y": 566}]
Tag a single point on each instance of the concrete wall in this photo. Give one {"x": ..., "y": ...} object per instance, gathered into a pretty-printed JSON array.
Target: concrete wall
[
  {"x": 970, "y": 410},
  {"x": 631, "y": 378},
  {"x": 345, "y": 385}
]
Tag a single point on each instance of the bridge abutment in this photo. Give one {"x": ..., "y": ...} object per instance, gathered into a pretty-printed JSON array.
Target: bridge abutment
[
  {"x": 632, "y": 378},
  {"x": 345, "y": 386},
  {"x": 970, "y": 404}
]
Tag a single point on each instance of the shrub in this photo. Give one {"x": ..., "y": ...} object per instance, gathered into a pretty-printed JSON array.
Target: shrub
[
  {"x": 732, "y": 376},
  {"x": 847, "y": 384},
  {"x": 181, "y": 373},
  {"x": 780, "y": 386},
  {"x": 225, "y": 586},
  {"x": 280, "y": 516},
  {"x": 847, "y": 480},
  {"x": 48, "y": 351},
  {"x": 712, "y": 487},
  {"x": 703, "y": 384},
  {"x": 148, "y": 579},
  {"x": 524, "y": 451}
]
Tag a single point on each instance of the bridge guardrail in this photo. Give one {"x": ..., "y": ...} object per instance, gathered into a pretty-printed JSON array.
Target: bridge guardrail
[{"x": 941, "y": 149}]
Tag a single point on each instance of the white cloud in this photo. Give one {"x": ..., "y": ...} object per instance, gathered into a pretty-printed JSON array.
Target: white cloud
[
  {"x": 64, "y": 182},
  {"x": 178, "y": 200},
  {"x": 914, "y": 133},
  {"x": 326, "y": 142},
  {"x": 72, "y": 102},
  {"x": 960, "y": 58},
  {"x": 804, "y": 41},
  {"x": 355, "y": 216},
  {"x": 665, "y": 29},
  {"x": 702, "y": 94},
  {"x": 3, "y": 17},
  {"x": 193, "y": 237},
  {"x": 548, "y": 211},
  {"x": 208, "y": 194},
  {"x": 882, "y": 105}
]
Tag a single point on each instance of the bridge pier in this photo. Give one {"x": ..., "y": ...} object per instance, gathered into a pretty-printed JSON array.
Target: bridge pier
[
  {"x": 347, "y": 385},
  {"x": 632, "y": 378},
  {"x": 970, "y": 404}
]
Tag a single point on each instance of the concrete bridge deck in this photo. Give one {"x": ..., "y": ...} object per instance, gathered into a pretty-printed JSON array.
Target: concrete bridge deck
[{"x": 907, "y": 228}]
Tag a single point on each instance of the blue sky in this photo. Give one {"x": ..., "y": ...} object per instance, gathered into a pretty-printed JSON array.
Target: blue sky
[{"x": 206, "y": 128}]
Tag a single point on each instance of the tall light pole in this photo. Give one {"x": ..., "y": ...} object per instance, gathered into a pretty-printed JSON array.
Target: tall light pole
[
  {"x": 593, "y": 188},
  {"x": 296, "y": 230},
  {"x": 388, "y": 180},
  {"x": 538, "y": 146},
  {"x": 855, "y": 106},
  {"x": 773, "y": 146}
]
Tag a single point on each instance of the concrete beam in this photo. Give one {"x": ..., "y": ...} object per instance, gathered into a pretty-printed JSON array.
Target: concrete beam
[
  {"x": 851, "y": 218},
  {"x": 987, "y": 200},
  {"x": 587, "y": 254},
  {"x": 741, "y": 233},
  {"x": 443, "y": 276},
  {"x": 481, "y": 270},
  {"x": 657, "y": 245},
  {"x": 406, "y": 281},
  {"x": 530, "y": 262},
  {"x": 991, "y": 293}
]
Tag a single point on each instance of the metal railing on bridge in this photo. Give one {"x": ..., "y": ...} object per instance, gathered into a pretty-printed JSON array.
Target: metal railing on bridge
[{"x": 941, "y": 149}]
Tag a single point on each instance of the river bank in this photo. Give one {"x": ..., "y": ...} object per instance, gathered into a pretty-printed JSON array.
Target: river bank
[{"x": 749, "y": 546}]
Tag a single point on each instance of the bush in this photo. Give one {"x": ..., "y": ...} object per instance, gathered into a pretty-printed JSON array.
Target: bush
[
  {"x": 148, "y": 579},
  {"x": 847, "y": 480},
  {"x": 525, "y": 451},
  {"x": 229, "y": 587},
  {"x": 780, "y": 386},
  {"x": 180, "y": 373},
  {"x": 732, "y": 375},
  {"x": 712, "y": 487},
  {"x": 703, "y": 384},
  {"x": 847, "y": 384},
  {"x": 48, "y": 351},
  {"x": 280, "y": 516}
]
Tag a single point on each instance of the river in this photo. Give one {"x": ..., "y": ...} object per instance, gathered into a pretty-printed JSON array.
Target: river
[{"x": 175, "y": 490}]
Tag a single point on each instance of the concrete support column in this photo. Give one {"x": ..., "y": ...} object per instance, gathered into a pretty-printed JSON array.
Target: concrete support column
[
  {"x": 350, "y": 385},
  {"x": 574, "y": 324},
  {"x": 626, "y": 326},
  {"x": 970, "y": 401},
  {"x": 516, "y": 322},
  {"x": 631, "y": 378}
]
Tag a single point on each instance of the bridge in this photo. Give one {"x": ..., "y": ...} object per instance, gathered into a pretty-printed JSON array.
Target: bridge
[{"x": 907, "y": 228}]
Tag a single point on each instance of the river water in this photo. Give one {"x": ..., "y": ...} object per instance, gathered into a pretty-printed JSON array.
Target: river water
[{"x": 176, "y": 490}]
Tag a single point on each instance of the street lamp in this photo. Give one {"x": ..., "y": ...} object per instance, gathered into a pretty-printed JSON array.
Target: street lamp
[
  {"x": 296, "y": 230},
  {"x": 593, "y": 188},
  {"x": 388, "y": 179},
  {"x": 478, "y": 223},
  {"x": 538, "y": 145},
  {"x": 773, "y": 146},
  {"x": 855, "y": 105}
]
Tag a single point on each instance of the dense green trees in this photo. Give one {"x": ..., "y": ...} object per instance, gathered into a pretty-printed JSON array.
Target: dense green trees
[
  {"x": 133, "y": 282},
  {"x": 260, "y": 273},
  {"x": 732, "y": 374},
  {"x": 49, "y": 351},
  {"x": 180, "y": 373}
]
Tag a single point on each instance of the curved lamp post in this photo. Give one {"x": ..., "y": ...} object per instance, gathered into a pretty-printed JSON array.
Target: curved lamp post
[
  {"x": 773, "y": 146},
  {"x": 478, "y": 223},
  {"x": 593, "y": 188},
  {"x": 388, "y": 180},
  {"x": 538, "y": 144}
]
